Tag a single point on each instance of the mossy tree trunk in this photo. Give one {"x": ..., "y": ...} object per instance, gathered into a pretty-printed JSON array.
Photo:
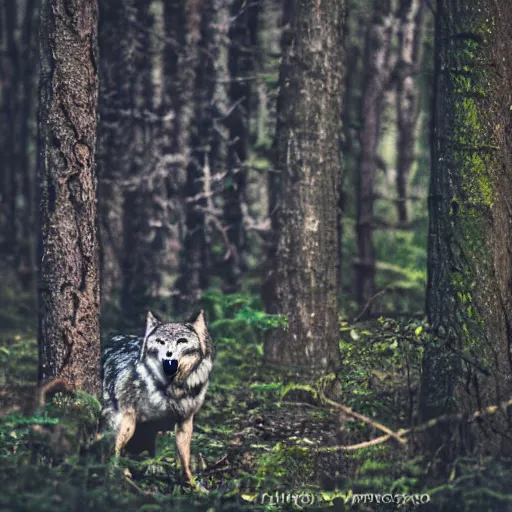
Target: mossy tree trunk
[
  {"x": 309, "y": 170},
  {"x": 468, "y": 365},
  {"x": 69, "y": 293}
]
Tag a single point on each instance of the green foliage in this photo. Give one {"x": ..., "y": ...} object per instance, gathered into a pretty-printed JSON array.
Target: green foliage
[
  {"x": 251, "y": 437},
  {"x": 238, "y": 315}
]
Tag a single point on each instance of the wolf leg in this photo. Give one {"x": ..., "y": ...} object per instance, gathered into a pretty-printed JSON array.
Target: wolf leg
[
  {"x": 183, "y": 438},
  {"x": 126, "y": 429}
]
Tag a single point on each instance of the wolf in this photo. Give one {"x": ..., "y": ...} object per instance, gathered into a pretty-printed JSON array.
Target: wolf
[{"x": 154, "y": 382}]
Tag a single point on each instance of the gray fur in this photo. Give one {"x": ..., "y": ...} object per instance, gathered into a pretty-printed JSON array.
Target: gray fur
[{"x": 133, "y": 375}]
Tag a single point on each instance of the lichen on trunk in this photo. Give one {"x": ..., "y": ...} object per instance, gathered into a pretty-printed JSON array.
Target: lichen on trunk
[{"x": 469, "y": 365}]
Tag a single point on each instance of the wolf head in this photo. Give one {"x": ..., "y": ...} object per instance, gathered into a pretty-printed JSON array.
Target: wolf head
[{"x": 173, "y": 350}]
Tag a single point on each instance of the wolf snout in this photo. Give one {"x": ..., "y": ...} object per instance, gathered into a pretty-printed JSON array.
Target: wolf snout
[{"x": 170, "y": 367}]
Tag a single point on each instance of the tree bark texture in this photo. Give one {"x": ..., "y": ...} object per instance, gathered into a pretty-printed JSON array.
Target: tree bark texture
[
  {"x": 376, "y": 73},
  {"x": 468, "y": 365},
  {"x": 309, "y": 171},
  {"x": 407, "y": 95},
  {"x": 69, "y": 337}
]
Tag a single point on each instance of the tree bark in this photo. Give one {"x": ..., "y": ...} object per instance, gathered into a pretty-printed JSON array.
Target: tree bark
[
  {"x": 69, "y": 337},
  {"x": 376, "y": 73},
  {"x": 407, "y": 96},
  {"x": 468, "y": 365},
  {"x": 309, "y": 170}
]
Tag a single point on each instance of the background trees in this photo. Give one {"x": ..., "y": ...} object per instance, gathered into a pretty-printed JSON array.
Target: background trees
[
  {"x": 155, "y": 215},
  {"x": 231, "y": 136}
]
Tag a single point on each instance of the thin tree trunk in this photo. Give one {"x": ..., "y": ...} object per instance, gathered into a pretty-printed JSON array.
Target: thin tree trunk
[
  {"x": 407, "y": 96},
  {"x": 268, "y": 288},
  {"x": 140, "y": 260},
  {"x": 69, "y": 337},
  {"x": 10, "y": 158},
  {"x": 28, "y": 258},
  {"x": 195, "y": 256},
  {"x": 309, "y": 171},
  {"x": 468, "y": 365},
  {"x": 376, "y": 66},
  {"x": 243, "y": 46}
]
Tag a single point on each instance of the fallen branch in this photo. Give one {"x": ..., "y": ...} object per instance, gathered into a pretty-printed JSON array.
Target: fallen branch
[
  {"x": 398, "y": 436},
  {"x": 350, "y": 412}
]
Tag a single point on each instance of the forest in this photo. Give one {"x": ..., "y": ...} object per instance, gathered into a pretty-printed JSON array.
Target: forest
[{"x": 255, "y": 255}]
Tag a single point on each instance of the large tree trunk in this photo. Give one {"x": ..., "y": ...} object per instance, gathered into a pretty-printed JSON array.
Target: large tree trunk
[
  {"x": 69, "y": 337},
  {"x": 468, "y": 366},
  {"x": 407, "y": 96},
  {"x": 309, "y": 167},
  {"x": 376, "y": 72}
]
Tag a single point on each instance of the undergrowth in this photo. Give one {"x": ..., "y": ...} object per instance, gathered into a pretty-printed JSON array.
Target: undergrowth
[{"x": 260, "y": 442}]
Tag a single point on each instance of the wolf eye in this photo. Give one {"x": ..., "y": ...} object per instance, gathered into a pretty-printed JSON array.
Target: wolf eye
[
  {"x": 182, "y": 340},
  {"x": 162, "y": 342}
]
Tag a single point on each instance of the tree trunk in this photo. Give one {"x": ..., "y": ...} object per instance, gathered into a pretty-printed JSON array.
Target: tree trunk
[
  {"x": 309, "y": 167},
  {"x": 69, "y": 337},
  {"x": 115, "y": 133},
  {"x": 469, "y": 297},
  {"x": 376, "y": 69},
  {"x": 28, "y": 258},
  {"x": 142, "y": 242},
  {"x": 10, "y": 157},
  {"x": 407, "y": 96},
  {"x": 194, "y": 257},
  {"x": 243, "y": 46}
]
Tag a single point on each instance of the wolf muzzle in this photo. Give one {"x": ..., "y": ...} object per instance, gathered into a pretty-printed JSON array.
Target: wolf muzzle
[{"x": 170, "y": 367}]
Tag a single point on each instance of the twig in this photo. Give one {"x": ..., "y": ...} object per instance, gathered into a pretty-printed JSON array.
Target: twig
[
  {"x": 368, "y": 304},
  {"x": 220, "y": 461},
  {"x": 352, "y": 447},
  {"x": 491, "y": 409},
  {"x": 361, "y": 417}
]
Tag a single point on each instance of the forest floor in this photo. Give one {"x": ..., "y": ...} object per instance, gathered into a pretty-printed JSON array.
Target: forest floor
[{"x": 259, "y": 443}]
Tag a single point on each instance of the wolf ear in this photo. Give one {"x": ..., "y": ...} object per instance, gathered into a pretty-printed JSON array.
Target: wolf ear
[
  {"x": 151, "y": 323},
  {"x": 199, "y": 325}
]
